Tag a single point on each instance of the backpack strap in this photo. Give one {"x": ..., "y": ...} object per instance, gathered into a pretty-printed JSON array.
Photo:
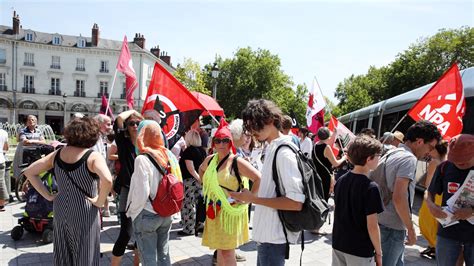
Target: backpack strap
[
  {"x": 235, "y": 167},
  {"x": 158, "y": 167},
  {"x": 276, "y": 179}
]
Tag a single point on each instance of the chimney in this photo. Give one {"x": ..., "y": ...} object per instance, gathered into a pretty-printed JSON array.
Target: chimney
[
  {"x": 139, "y": 40},
  {"x": 165, "y": 58},
  {"x": 156, "y": 51},
  {"x": 95, "y": 35},
  {"x": 16, "y": 23}
]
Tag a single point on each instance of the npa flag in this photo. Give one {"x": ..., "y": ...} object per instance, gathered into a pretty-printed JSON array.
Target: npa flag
[
  {"x": 125, "y": 66},
  {"x": 315, "y": 109},
  {"x": 105, "y": 106},
  {"x": 342, "y": 133},
  {"x": 443, "y": 104},
  {"x": 177, "y": 107}
]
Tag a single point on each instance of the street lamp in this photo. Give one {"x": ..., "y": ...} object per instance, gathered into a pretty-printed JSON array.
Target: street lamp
[
  {"x": 64, "y": 106},
  {"x": 215, "y": 74}
]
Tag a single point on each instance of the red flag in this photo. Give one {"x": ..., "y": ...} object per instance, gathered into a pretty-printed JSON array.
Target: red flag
[
  {"x": 125, "y": 66},
  {"x": 315, "y": 108},
  {"x": 317, "y": 122},
  {"x": 105, "y": 106},
  {"x": 177, "y": 107},
  {"x": 443, "y": 104}
]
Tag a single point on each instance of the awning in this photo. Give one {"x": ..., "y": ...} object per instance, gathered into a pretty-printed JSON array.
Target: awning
[{"x": 211, "y": 105}]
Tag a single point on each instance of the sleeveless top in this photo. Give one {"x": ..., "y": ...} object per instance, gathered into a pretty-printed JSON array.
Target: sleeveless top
[{"x": 326, "y": 164}]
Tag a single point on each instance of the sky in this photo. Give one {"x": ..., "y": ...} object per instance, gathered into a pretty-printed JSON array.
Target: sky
[{"x": 329, "y": 40}]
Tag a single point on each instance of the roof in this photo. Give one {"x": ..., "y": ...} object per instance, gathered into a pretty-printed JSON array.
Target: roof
[{"x": 71, "y": 41}]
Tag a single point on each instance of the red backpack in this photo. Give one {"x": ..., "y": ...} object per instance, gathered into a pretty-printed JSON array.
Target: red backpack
[{"x": 170, "y": 193}]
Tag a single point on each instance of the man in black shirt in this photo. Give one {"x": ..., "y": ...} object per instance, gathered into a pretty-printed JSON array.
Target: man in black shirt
[
  {"x": 448, "y": 178},
  {"x": 356, "y": 233}
]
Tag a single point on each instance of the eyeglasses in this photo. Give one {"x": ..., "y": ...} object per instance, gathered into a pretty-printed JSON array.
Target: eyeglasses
[
  {"x": 219, "y": 141},
  {"x": 133, "y": 123}
]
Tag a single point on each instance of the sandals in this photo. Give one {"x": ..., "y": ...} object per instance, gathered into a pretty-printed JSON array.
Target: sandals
[{"x": 429, "y": 253}]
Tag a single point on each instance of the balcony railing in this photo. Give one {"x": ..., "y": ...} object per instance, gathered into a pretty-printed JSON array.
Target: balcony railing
[
  {"x": 27, "y": 90},
  {"x": 80, "y": 69},
  {"x": 79, "y": 94},
  {"x": 99, "y": 95},
  {"x": 54, "y": 92},
  {"x": 55, "y": 66},
  {"x": 3, "y": 87},
  {"x": 104, "y": 70},
  {"x": 29, "y": 63}
]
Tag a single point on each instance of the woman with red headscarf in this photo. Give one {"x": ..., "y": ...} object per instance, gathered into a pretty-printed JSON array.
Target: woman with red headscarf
[
  {"x": 226, "y": 226},
  {"x": 150, "y": 229}
]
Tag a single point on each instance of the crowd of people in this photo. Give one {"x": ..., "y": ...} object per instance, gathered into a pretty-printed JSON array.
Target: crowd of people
[{"x": 225, "y": 173}]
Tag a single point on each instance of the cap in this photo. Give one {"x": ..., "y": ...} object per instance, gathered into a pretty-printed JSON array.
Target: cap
[
  {"x": 461, "y": 149},
  {"x": 398, "y": 135}
]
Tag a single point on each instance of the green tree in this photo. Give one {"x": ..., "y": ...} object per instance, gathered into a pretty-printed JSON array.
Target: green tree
[
  {"x": 252, "y": 74},
  {"x": 191, "y": 76}
]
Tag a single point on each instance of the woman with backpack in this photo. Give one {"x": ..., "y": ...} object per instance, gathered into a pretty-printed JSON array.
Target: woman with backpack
[
  {"x": 226, "y": 226},
  {"x": 151, "y": 230}
]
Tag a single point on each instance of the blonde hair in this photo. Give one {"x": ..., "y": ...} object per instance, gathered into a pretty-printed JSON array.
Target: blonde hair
[{"x": 193, "y": 138}]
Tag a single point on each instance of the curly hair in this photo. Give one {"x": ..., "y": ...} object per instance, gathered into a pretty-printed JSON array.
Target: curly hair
[
  {"x": 259, "y": 113},
  {"x": 82, "y": 132},
  {"x": 363, "y": 147},
  {"x": 423, "y": 129}
]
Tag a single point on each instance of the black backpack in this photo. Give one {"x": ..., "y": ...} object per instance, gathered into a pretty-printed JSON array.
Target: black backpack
[{"x": 315, "y": 209}]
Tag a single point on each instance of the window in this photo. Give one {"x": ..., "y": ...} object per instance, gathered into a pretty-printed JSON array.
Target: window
[
  {"x": 56, "y": 40},
  {"x": 55, "y": 87},
  {"x": 56, "y": 62},
  {"x": 3, "y": 56},
  {"x": 150, "y": 71},
  {"x": 29, "y": 84},
  {"x": 3, "y": 84},
  {"x": 104, "y": 66},
  {"x": 124, "y": 91},
  {"x": 29, "y": 37},
  {"x": 80, "y": 91},
  {"x": 29, "y": 59},
  {"x": 81, "y": 43},
  {"x": 81, "y": 64},
  {"x": 104, "y": 85}
]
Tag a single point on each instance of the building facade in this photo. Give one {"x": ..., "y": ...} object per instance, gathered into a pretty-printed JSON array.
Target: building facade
[{"x": 54, "y": 76}]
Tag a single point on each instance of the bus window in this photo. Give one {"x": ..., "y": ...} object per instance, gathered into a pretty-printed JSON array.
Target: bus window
[
  {"x": 388, "y": 122},
  {"x": 375, "y": 126},
  {"x": 361, "y": 124},
  {"x": 468, "y": 119}
]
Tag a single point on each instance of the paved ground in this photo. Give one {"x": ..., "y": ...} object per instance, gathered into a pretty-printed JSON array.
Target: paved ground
[{"x": 184, "y": 250}]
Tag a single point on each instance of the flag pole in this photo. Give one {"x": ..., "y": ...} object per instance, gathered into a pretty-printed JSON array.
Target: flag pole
[
  {"x": 111, "y": 91},
  {"x": 398, "y": 123}
]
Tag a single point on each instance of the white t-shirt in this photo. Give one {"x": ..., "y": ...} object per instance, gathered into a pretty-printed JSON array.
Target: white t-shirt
[
  {"x": 307, "y": 147},
  {"x": 267, "y": 227},
  {"x": 3, "y": 140}
]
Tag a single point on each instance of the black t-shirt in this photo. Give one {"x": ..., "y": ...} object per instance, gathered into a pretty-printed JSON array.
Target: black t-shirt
[
  {"x": 447, "y": 180},
  {"x": 191, "y": 153},
  {"x": 356, "y": 197},
  {"x": 126, "y": 154}
]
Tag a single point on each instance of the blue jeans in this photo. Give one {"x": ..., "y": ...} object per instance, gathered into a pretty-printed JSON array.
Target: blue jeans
[
  {"x": 152, "y": 233},
  {"x": 448, "y": 250},
  {"x": 270, "y": 254},
  {"x": 393, "y": 246}
]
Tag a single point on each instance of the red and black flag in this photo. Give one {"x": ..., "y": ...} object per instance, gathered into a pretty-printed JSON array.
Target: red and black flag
[{"x": 177, "y": 107}]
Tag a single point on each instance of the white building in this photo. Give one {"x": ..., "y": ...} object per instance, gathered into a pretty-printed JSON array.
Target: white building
[{"x": 53, "y": 76}]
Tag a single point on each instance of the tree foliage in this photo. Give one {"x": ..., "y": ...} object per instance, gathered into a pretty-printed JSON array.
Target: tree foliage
[
  {"x": 422, "y": 63},
  {"x": 191, "y": 76}
]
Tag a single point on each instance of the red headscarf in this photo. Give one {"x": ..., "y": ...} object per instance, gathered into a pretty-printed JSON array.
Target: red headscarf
[{"x": 223, "y": 132}]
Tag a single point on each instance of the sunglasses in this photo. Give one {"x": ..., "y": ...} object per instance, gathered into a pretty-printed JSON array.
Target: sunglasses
[
  {"x": 219, "y": 141},
  {"x": 133, "y": 123}
]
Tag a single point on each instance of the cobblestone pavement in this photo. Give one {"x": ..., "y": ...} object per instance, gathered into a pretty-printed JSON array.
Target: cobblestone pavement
[{"x": 183, "y": 250}]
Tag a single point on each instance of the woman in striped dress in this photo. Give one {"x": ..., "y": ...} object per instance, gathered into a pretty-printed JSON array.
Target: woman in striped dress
[{"x": 76, "y": 206}]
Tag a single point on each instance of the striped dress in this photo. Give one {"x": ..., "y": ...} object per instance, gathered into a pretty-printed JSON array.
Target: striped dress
[{"x": 76, "y": 220}]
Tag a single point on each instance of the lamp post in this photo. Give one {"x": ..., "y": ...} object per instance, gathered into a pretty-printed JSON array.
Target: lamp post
[
  {"x": 64, "y": 106},
  {"x": 215, "y": 74}
]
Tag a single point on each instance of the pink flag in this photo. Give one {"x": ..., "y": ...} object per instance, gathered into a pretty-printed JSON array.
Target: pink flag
[
  {"x": 125, "y": 66},
  {"x": 104, "y": 107}
]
